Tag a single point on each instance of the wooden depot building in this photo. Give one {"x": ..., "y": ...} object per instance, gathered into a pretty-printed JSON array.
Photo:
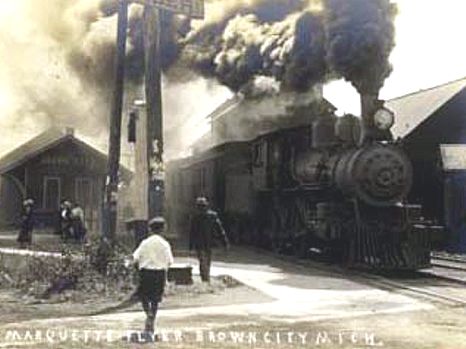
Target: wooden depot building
[
  {"x": 52, "y": 167},
  {"x": 432, "y": 126}
]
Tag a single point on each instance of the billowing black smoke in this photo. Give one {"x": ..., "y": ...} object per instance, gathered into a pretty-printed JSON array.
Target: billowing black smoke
[
  {"x": 292, "y": 51},
  {"x": 266, "y": 11},
  {"x": 283, "y": 39},
  {"x": 360, "y": 38},
  {"x": 250, "y": 41},
  {"x": 307, "y": 64},
  {"x": 298, "y": 47}
]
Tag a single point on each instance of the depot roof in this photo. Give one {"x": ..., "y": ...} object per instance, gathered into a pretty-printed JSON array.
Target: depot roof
[
  {"x": 413, "y": 109},
  {"x": 47, "y": 140}
]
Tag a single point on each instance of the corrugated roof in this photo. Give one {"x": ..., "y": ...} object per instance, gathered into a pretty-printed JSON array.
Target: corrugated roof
[
  {"x": 413, "y": 109},
  {"x": 453, "y": 156},
  {"x": 43, "y": 142}
]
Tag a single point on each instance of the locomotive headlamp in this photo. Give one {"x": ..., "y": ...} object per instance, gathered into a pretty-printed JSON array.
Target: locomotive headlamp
[{"x": 384, "y": 119}]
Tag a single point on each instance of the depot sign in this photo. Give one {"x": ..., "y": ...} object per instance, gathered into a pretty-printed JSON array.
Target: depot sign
[{"x": 191, "y": 8}]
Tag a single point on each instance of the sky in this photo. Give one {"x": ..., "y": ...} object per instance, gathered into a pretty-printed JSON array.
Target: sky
[{"x": 430, "y": 50}]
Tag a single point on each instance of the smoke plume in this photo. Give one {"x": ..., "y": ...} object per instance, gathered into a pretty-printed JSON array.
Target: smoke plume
[
  {"x": 269, "y": 38},
  {"x": 299, "y": 44},
  {"x": 360, "y": 36}
]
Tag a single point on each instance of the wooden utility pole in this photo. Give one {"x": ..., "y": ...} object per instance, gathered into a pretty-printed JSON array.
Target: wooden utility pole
[
  {"x": 153, "y": 91},
  {"x": 111, "y": 185}
]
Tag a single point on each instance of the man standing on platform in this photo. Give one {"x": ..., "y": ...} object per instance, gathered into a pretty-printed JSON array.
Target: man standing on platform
[
  {"x": 205, "y": 228},
  {"x": 153, "y": 258}
]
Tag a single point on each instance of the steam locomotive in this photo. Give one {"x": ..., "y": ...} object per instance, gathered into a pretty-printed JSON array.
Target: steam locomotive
[{"x": 335, "y": 188}]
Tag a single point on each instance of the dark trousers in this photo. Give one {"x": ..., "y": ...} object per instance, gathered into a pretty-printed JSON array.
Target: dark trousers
[
  {"x": 67, "y": 231},
  {"x": 151, "y": 287},
  {"x": 78, "y": 230},
  {"x": 25, "y": 236},
  {"x": 205, "y": 258}
]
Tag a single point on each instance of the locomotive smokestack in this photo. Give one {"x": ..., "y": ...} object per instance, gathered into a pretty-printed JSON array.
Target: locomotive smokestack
[{"x": 369, "y": 105}]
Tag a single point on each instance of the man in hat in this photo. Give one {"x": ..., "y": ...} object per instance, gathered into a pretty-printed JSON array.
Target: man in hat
[
  {"x": 153, "y": 258},
  {"x": 205, "y": 228}
]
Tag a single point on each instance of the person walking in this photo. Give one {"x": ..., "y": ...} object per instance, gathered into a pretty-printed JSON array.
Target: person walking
[
  {"x": 153, "y": 258},
  {"x": 27, "y": 224},
  {"x": 205, "y": 228}
]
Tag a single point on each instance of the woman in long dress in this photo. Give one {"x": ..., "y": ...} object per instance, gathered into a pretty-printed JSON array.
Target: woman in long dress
[{"x": 27, "y": 224}]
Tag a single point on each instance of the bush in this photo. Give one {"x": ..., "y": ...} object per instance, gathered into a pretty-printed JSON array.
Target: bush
[{"x": 97, "y": 269}]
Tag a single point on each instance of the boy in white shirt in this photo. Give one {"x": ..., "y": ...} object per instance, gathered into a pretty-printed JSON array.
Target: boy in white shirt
[{"x": 153, "y": 257}]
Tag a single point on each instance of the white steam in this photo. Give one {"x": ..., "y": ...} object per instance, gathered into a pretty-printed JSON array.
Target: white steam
[{"x": 56, "y": 59}]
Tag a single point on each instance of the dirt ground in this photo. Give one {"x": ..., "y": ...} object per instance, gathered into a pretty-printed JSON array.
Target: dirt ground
[
  {"x": 94, "y": 322},
  {"x": 17, "y": 307}
]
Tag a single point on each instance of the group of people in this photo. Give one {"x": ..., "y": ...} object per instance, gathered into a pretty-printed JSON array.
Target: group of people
[
  {"x": 72, "y": 223},
  {"x": 154, "y": 256}
]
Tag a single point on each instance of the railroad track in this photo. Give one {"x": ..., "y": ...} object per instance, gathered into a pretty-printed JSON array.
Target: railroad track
[
  {"x": 430, "y": 285},
  {"x": 432, "y": 288},
  {"x": 447, "y": 262}
]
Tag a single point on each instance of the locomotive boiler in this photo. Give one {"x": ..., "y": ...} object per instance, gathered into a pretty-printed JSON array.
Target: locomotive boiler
[{"x": 335, "y": 187}]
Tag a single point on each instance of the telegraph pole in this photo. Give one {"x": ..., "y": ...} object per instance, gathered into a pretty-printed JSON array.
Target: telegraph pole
[
  {"x": 113, "y": 165},
  {"x": 153, "y": 76},
  {"x": 153, "y": 91},
  {"x": 154, "y": 18}
]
